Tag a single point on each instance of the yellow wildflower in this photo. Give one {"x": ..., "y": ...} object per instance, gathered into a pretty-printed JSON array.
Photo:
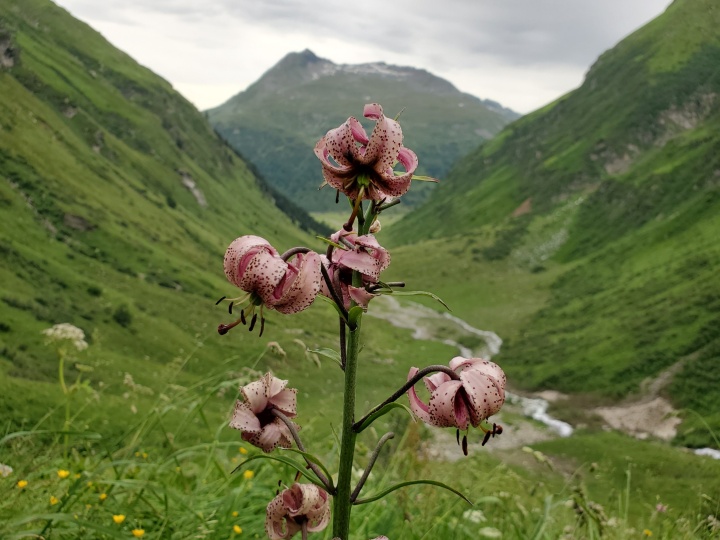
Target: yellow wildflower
[
  {"x": 237, "y": 529},
  {"x": 145, "y": 455},
  {"x": 137, "y": 533},
  {"x": 22, "y": 484},
  {"x": 54, "y": 500},
  {"x": 102, "y": 496},
  {"x": 647, "y": 532},
  {"x": 118, "y": 518},
  {"x": 62, "y": 473},
  {"x": 248, "y": 475},
  {"x": 235, "y": 514},
  {"x": 78, "y": 476},
  {"x": 242, "y": 450}
]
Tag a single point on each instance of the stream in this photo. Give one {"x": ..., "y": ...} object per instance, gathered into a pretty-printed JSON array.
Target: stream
[{"x": 427, "y": 323}]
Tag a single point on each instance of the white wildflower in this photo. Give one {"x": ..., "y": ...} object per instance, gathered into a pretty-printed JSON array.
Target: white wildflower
[
  {"x": 66, "y": 332},
  {"x": 5, "y": 470},
  {"x": 275, "y": 348},
  {"x": 489, "y": 532},
  {"x": 474, "y": 516}
]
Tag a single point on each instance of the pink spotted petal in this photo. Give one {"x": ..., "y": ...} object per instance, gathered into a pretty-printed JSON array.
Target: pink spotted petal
[
  {"x": 276, "y": 526},
  {"x": 337, "y": 143},
  {"x": 305, "y": 286},
  {"x": 255, "y": 395},
  {"x": 273, "y": 385},
  {"x": 460, "y": 362},
  {"x": 262, "y": 275},
  {"x": 416, "y": 405},
  {"x": 285, "y": 402},
  {"x": 384, "y": 144},
  {"x": 484, "y": 392},
  {"x": 446, "y": 406},
  {"x": 238, "y": 249},
  {"x": 491, "y": 369},
  {"x": 435, "y": 380},
  {"x": 360, "y": 296},
  {"x": 244, "y": 419},
  {"x": 368, "y": 257}
]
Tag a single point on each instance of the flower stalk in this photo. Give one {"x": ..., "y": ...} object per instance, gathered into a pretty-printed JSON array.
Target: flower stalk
[{"x": 342, "y": 501}]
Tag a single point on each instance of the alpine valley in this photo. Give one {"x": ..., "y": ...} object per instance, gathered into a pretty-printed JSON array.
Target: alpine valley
[{"x": 585, "y": 234}]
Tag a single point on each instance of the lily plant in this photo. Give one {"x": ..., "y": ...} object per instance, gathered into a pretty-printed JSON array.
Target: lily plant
[{"x": 463, "y": 395}]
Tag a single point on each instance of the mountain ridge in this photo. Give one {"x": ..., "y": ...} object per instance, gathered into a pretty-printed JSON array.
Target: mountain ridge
[{"x": 299, "y": 99}]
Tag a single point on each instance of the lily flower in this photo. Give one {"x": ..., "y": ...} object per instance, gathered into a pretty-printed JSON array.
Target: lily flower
[
  {"x": 254, "y": 266},
  {"x": 363, "y": 254},
  {"x": 254, "y": 418},
  {"x": 302, "y": 505},
  {"x": 477, "y": 395},
  {"x": 362, "y": 167}
]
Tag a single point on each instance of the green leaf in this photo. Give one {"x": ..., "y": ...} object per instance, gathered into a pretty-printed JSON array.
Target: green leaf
[
  {"x": 354, "y": 316},
  {"x": 334, "y": 244},
  {"x": 332, "y": 354},
  {"x": 411, "y": 483},
  {"x": 424, "y": 178},
  {"x": 414, "y": 293},
  {"x": 79, "y": 434},
  {"x": 382, "y": 412},
  {"x": 299, "y": 467}
]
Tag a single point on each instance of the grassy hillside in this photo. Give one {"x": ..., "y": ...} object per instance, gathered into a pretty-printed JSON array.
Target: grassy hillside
[
  {"x": 117, "y": 201},
  {"x": 613, "y": 191},
  {"x": 295, "y": 103}
]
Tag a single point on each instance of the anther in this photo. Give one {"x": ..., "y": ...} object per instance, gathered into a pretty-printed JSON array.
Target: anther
[
  {"x": 223, "y": 298},
  {"x": 242, "y": 317},
  {"x": 464, "y": 445},
  {"x": 230, "y": 307},
  {"x": 262, "y": 326},
  {"x": 252, "y": 322}
]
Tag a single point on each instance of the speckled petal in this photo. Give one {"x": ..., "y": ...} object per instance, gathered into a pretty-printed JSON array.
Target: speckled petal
[
  {"x": 484, "y": 392},
  {"x": 368, "y": 257},
  {"x": 285, "y": 402},
  {"x": 416, "y": 404},
  {"x": 238, "y": 250},
  {"x": 255, "y": 394},
  {"x": 447, "y": 408},
  {"x": 305, "y": 286},
  {"x": 244, "y": 419},
  {"x": 277, "y": 527}
]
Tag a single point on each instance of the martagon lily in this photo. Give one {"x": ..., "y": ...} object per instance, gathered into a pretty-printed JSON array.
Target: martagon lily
[
  {"x": 362, "y": 167},
  {"x": 477, "y": 395},
  {"x": 300, "y": 506},
  {"x": 254, "y": 266},
  {"x": 253, "y": 416},
  {"x": 362, "y": 253}
]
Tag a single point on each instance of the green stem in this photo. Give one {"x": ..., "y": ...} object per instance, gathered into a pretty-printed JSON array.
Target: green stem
[
  {"x": 342, "y": 502},
  {"x": 61, "y": 377}
]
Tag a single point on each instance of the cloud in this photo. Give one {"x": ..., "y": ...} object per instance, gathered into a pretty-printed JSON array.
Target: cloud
[{"x": 527, "y": 50}]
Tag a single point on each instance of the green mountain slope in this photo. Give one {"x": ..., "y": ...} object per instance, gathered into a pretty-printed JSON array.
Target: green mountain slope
[
  {"x": 117, "y": 200},
  {"x": 615, "y": 187},
  {"x": 294, "y": 104}
]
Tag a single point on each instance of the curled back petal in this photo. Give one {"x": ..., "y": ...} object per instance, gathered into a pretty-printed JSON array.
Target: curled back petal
[
  {"x": 305, "y": 286},
  {"x": 447, "y": 408},
  {"x": 255, "y": 395},
  {"x": 244, "y": 419},
  {"x": 416, "y": 404},
  {"x": 285, "y": 402},
  {"x": 485, "y": 394}
]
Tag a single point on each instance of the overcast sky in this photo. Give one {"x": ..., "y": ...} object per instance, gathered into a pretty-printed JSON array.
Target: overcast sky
[{"x": 521, "y": 53}]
